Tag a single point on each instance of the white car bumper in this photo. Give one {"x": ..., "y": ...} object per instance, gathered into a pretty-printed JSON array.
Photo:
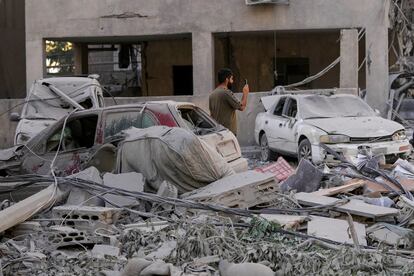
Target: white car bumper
[{"x": 351, "y": 150}]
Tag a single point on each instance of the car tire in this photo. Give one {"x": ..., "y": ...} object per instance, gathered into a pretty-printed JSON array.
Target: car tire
[
  {"x": 305, "y": 150},
  {"x": 266, "y": 154}
]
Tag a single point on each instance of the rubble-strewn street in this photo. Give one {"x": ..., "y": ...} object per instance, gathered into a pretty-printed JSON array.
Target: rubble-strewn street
[
  {"x": 356, "y": 219},
  {"x": 206, "y": 138}
]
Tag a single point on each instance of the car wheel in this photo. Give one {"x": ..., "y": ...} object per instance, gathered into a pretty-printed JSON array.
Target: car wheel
[
  {"x": 305, "y": 150},
  {"x": 266, "y": 154}
]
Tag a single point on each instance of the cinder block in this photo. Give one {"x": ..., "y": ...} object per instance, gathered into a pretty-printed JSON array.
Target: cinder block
[{"x": 87, "y": 213}]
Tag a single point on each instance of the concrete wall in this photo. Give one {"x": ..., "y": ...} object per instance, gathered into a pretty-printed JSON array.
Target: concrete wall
[
  {"x": 109, "y": 19},
  {"x": 12, "y": 49}
]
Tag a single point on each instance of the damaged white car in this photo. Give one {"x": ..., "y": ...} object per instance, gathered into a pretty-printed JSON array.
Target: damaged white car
[
  {"x": 296, "y": 125},
  {"x": 53, "y": 98}
]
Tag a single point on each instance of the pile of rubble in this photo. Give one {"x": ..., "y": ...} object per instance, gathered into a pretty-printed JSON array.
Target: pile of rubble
[{"x": 354, "y": 217}]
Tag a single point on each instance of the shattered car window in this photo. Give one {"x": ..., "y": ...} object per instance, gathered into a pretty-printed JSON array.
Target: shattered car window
[
  {"x": 148, "y": 120},
  {"x": 78, "y": 133},
  {"x": 119, "y": 121},
  {"x": 318, "y": 106}
]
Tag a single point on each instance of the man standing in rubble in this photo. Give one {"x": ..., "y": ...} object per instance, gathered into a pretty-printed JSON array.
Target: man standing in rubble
[{"x": 222, "y": 102}]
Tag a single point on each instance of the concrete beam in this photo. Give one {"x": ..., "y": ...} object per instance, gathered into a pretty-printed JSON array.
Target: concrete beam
[
  {"x": 349, "y": 59},
  {"x": 203, "y": 62},
  {"x": 81, "y": 58},
  {"x": 35, "y": 60},
  {"x": 377, "y": 67}
]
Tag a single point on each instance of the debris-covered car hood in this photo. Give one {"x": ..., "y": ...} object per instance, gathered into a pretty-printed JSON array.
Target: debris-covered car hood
[{"x": 362, "y": 127}]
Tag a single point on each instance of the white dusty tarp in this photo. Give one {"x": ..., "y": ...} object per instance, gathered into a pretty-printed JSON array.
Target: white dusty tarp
[{"x": 173, "y": 154}]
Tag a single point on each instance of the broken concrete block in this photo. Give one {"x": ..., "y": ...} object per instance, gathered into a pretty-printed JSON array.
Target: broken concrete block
[
  {"x": 87, "y": 213},
  {"x": 164, "y": 251},
  {"x": 281, "y": 169},
  {"x": 167, "y": 190},
  {"x": 355, "y": 207},
  {"x": 133, "y": 182},
  {"x": 61, "y": 236},
  {"x": 335, "y": 230},
  {"x": 101, "y": 250},
  {"x": 392, "y": 235},
  {"x": 241, "y": 190},
  {"x": 82, "y": 197},
  {"x": 244, "y": 269},
  {"x": 307, "y": 178}
]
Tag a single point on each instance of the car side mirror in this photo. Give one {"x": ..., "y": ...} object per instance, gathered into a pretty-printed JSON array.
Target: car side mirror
[{"x": 15, "y": 117}]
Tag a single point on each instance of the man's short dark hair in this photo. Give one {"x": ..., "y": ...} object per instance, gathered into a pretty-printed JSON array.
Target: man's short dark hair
[{"x": 223, "y": 74}]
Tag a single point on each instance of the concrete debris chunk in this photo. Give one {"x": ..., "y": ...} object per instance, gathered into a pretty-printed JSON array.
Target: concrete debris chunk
[
  {"x": 133, "y": 182},
  {"x": 101, "y": 250},
  {"x": 335, "y": 230},
  {"x": 392, "y": 235},
  {"x": 164, "y": 251},
  {"x": 356, "y": 207},
  {"x": 79, "y": 196},
  {"x": 242, "y": 190}
]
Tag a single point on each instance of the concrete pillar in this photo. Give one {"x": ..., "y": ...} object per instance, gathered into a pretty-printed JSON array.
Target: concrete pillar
[
  {"x": 80, "y": 58},
  {"x": 349, "y": 59},
  {"x": 35, "y": 61},
  {"x": 203, "y": 62},
  {"x": 377, "y": 66}
]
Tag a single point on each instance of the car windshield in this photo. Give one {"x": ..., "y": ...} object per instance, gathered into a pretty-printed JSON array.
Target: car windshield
[{"x": 319, "y": 106}]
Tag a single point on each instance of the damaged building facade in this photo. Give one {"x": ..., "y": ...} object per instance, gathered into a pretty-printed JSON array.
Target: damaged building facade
[{"x": 173, "y": 49}]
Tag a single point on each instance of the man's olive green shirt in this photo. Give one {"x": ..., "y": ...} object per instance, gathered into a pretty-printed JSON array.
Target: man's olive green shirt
[{"x": 223, "y": 105}]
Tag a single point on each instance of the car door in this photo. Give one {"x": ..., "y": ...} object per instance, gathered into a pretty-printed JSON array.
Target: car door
[
  {"x": 68, "y": 148},
  {"x": 274, "y": 123},
  {"x": 288, "y": 128}
]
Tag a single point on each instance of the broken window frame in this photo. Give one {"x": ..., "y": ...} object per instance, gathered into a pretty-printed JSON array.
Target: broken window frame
[
  {"x": 288, "y": 105},
  {"x": 282, "y": 101},
  {"x": 41, "y": 147},
  {"x": 201, "y": 114}
]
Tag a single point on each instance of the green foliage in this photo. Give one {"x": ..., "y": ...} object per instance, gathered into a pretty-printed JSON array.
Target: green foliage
[
  {"x": 59, "y": 57},
  {"x": 260, "y": 228}
]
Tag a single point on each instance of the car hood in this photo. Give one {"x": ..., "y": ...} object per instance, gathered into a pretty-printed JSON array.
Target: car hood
[{"x": 361, "y": 127}]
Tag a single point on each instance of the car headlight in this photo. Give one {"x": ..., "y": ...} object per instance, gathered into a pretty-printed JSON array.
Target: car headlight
[
  {"x": 399, "y": 135},
  {"x": 334, "y": 139}
]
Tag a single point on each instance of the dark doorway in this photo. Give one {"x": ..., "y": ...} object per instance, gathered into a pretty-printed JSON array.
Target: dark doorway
[
  {"x": 291, "y": 70},
  {"x": 183, "y": 79}
]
